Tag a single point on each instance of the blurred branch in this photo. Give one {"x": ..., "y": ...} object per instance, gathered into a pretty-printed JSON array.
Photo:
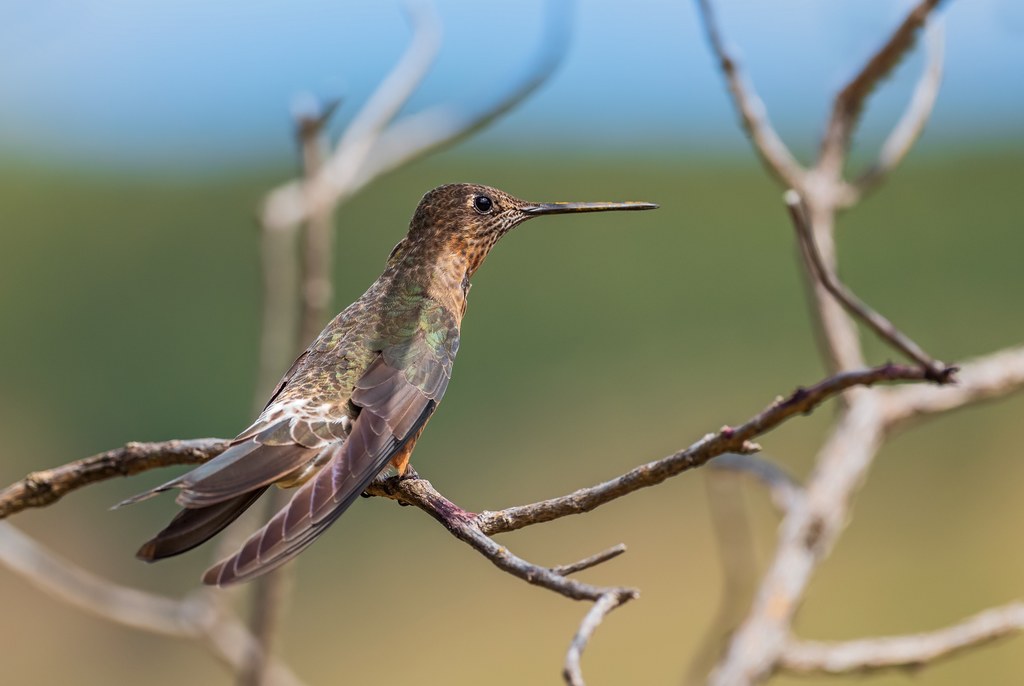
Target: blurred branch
[
  {"x": 854, "y": 305},
  {"x": 806, "y": 536},
  {"x": 910, "y": 126},
  {"x": 849, "y": 102},
  {"x": 911, "y": 651},
  {"x": 195, "y": 617},
  {"x": 773, "y": 152},
  {"x": 983, "y": 378},
  {"x": 373, "y": 146},
  {"x": 786, "y": 492},
  {"x": 735, "y": 538},
  {"x": 46, "y": 487}
]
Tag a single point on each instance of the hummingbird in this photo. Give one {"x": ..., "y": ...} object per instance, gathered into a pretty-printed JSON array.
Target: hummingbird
[{"x": 358, "y": 398}]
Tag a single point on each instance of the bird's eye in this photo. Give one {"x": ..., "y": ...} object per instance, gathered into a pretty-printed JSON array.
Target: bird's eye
[{"x": 483, "y": 204}]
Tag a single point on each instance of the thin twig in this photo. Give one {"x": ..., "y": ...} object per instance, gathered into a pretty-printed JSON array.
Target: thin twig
[
  {"x": 910, "y": 126},
  {"x": 885, "y": 329},
  {"x": 914, "y": 650},
  {"x": 592, "y": 561},
  {"x": 194, "y": 617},
  {"x": 773, "y": 151},
  {"x": 572, "y": 672}
]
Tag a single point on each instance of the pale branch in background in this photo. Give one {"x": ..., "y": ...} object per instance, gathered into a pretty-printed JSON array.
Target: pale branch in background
[
  {"x": 849, "y": 102},
  {"x": 909, "y": 652},
  {"x": 763, "y": 642},
  {"x": 375, "y": 144},
  {"x": 195, "y": 617},
  {"x": 785, "y": 491},
  {"x": 754, "y": 117},
  {"x": 911, "y": 125},
  {"x": 988, "y": 377}
]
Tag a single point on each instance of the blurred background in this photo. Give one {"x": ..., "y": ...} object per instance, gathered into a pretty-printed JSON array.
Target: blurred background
[{"x": 136, "y": 140}]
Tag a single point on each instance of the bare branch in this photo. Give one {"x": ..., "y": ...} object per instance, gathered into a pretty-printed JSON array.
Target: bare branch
[
  {"x": 40, "y": 489},
  {"x": 915, "y": 650},
  {"x": 807, "y": 535},
  {"x": 773, "y": 152},
  {"x": 910, "y": 126},
  {"x": 726, "y": 440},
  {"x": 294, "y": 202},
  {"x": 373, "y": 148},
  {"x": 572, "y": 671},
  {"x": 422, "y": 133},
  {"x": 318, "y": 238},
  {"x": 983, "y": 378},
  {"x": 592, "y": 561},
  {"x": 849, "y": 102},
  {"x": 194, "y": 617},
  {"x": 854, "y": 305},
  {"x": 786, "y": 492}
]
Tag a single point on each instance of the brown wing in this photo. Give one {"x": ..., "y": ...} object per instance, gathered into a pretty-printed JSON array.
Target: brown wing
[{"x": 393, "y": 409}]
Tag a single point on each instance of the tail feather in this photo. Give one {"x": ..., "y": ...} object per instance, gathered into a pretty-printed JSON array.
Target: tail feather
[{"x": 194, "y": 526}]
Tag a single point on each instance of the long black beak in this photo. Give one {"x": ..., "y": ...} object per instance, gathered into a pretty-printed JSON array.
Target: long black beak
[{"x": 566, "y": 207}]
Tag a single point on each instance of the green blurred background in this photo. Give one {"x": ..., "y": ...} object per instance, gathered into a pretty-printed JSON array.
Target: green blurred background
[{"x": 130, "y": 308}]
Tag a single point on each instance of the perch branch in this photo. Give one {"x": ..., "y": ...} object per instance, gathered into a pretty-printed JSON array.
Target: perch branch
[
  {"x": 773, "y": 151},
  {"x": 46, "y": 487},
  {"x": 915, "y": 650}
]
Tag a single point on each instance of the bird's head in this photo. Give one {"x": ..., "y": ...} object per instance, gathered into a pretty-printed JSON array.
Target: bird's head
[{"x": 466, "y": 219}]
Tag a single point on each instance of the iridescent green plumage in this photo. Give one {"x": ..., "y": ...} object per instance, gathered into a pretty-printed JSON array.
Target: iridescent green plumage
[{"x": 359, "y": 396}]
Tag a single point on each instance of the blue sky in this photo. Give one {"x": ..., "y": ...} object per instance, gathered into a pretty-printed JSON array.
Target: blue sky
[{"x": 194, "y": 82}]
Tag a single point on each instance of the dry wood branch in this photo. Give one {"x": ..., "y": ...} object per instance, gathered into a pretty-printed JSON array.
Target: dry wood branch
[
  {"x": 592, "y": 561},
  {"x": 726, "y": 440},
  {"x": 786, "y": 492},
  {"x": 373, "y": 145},
  {"x": 572, "y": 671},
  {"x": 912, "y": 651},
  {"x": 885, "y": 329},
  {"x": 773, "y": 152},
  {"x": 40, "y": 489},
  {"x": 849, "y": 102},
  {"x": 984, "y": 378},
  {"x": 910, "y": 126},
  {"x": 195, "y": 617}
]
